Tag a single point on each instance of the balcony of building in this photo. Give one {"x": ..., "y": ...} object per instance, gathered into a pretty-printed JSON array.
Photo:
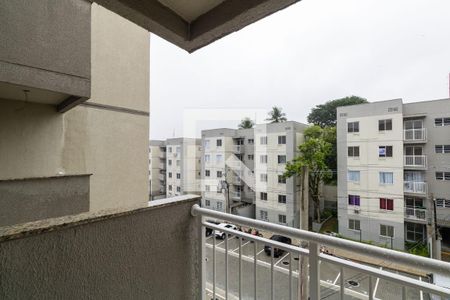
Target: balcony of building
[
  {"x": 415, "y": 214},
  {"x": 415, "y": 161},
  {"x": 415, "y": 187},
  {"x": 415, "y": 135},
  {"x": 159, "y": 252}
]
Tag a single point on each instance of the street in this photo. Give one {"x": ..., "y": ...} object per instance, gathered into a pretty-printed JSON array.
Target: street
[{"x": 356, "y": 283}]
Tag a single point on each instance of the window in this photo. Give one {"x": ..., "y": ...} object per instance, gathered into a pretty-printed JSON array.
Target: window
[
  {"x": 178, "y": 176},
  {"x": 443, "y": 203},
  {"x": 282, "y": 199},
  {"x": 219, "y": 189},
  {"x": 219, "y": 174},
  {"x": 207, "y": 188},
  {"x": 263, "y": 159},
  {"x": 386, "y": 230},
  {"x": 392, "y": 109},
  {"x": 207, "y": 158},
  {"x": 263, "y": 140},
  {"x": 178, "y": 162},
  {"x": 169, "y": 162},
  {"x": 438, "y": 122},
  {"x": 386, "y": 204},
  {"x": 281, "y": 179},
  {"x": 384, "y": 125},
  {"x": 170, "y": 187},
  {"x": 178, "y": 150},
  {"x": 353, "y": 127},
  {"x": 219, "y": 158},
  {"x": 207, "y": 173},
  {"x": 386, "y": 178},
  {"x": 281, "y": 159},
  {"x": 263, "y": 177},
  {"x": 263, "y": 215},
  {"x": 170, "y": 174},
  {"x": 414, "y": 232},
  {"x": 251, "y": 141},
  {"x": 443, "y": 176},
  {"x": 250, "y": 157},
  {"x": 354, "y": 224},
  {"x": 219, "y": 205},
  {"x": 442, "y": 148},
  {"x": 281, "y": 140},
  {"x": 263, "y": 196},
  {"x": 206, "y": 144},
  {"x": 219, "y": 143},
  {"x": 353, "y": 176},
  {"x": 353, "y": 151},
  {"x": 207, "y": 203},
  {"x": 170, "y": 149},
  {"x": 282, "y": 219},
  {"x": 354, "y": 200},
  {"x": 385, "y": 151},
  {"x": 178, "y": 189}
]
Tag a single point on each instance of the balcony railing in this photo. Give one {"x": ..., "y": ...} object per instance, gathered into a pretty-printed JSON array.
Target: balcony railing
[
  {"x": 238, "y": 149},
  {"x": 415, "y": 161},
  {"x": 415, "y": 213},
  {"x": 415, "y": 187},
  {"x": 412, "y": 135},
  {"x": 235, "y": 195},
  {"x": 222, "y": 285}
]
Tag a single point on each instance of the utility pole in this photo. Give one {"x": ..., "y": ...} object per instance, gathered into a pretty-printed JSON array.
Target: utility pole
[
  {"x": 436, "y": 235},
  {"x": 304, "y": 221}
]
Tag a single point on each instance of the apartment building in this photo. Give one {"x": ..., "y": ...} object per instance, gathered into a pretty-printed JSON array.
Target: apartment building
[
  {"x": 227, "y": 170},
  {"x": 183, "y": 159},
  {"x": 277, "y": 199},
  {"x": 393, "y": 163},
  {"x": 157, "y": 169}
]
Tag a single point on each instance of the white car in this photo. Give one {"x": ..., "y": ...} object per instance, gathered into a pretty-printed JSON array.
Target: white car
[{"x": 221, "y": 234}]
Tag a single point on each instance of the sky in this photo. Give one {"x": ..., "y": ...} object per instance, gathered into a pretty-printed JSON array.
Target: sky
[{"x": 302, "y": 56}]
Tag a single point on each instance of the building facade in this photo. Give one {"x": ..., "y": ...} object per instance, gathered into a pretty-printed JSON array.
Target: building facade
[
  {"x": 392, "y": 165},
  {"x": 183, "y": 159},
  {"x": 157, "y": 169}
]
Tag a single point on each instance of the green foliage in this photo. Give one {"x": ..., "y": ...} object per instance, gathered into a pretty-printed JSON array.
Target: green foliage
[
  {"x": 324, "y": 115},
  {"x": 420, "y": 249},
  {"x": 246, "y": 123},
  {"x": 313, "y": 154},
  {"x": 276, "y": 115}
]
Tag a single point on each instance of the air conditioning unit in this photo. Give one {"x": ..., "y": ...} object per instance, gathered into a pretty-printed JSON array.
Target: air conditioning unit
[{"x": 356, "y": 211}]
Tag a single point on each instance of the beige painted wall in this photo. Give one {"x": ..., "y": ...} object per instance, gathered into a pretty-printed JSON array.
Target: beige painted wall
[{"x": 36, "y": 141}]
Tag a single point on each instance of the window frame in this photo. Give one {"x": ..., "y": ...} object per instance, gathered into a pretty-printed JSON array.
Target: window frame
[
  {"x": 383, "y": 125},
  {"x": 354, "y": 200},
  {"x": 282, "y": 199},
  {"x": 388, "y": 149},
  {"x": 386, "y": 204},
  {"x": 354, "y": 222},
  {"x": 282, "y": 162},
  {"x": 387, "y": 227},
  {"x": 281, "y": 140},
  {"x": 351, "y": 151},
  {"x": 263, "y": 196},
  {"x": 351, "y": 128}
]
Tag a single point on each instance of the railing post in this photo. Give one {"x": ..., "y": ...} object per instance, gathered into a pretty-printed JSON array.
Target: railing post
[
  {"x": 202, "y": 232},
  {"x": 314, "y": 271}
]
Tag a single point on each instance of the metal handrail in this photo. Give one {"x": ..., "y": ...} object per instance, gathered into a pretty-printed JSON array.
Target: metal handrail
[{"x": 316, "y": 239}]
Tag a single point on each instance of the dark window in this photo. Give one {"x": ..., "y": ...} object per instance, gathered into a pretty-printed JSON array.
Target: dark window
[
  {"x": 281, "y": 159},
  {"x": 387, "y": 204},
  {"x": 178, "y": 175},
  {"x": 442, "y": 148},
  {"x": 354, "y": 200},
  {"x": 385, "y": 151},
  {"x": 443, "y": 176},
  {"x": 385, "y": 125},
  {"x": 219, "y": 143},
  {"x": 281, "y": 198},
  {"x": 281, "y": 179},
  {"x": 170, "y": 174},
  {"x": 442, "y": 122},
  {"x": 353, "y": 151},
  {"x": 281, "y": 139},
  {"x": 263, "y": 196},
  {"x": 353, "y": 127},
  {"x": 207, "y": 173},
  {"x": 219, "y": 174}
]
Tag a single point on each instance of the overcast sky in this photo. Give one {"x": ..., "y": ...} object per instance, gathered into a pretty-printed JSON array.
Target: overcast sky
[{"x": 307, "y": 54}]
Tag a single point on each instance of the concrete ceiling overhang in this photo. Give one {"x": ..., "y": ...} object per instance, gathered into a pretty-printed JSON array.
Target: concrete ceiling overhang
[{"x": 193, "y": 24}]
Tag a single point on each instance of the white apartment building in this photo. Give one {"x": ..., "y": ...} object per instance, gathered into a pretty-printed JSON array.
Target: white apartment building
[
  {"x": 157, "y": 169},
  {"x": 392, "y": 165},
  {"x": 277, "y": 199},
  {"x": 227, "y": 170},
  {"x": 183, "y": 159}
]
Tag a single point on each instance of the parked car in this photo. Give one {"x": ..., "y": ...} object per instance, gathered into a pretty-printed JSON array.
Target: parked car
[
  {"x": 209, "y": 231},
  {"x": 221, "y": 234},
  {"x": 276, "y": 251}
]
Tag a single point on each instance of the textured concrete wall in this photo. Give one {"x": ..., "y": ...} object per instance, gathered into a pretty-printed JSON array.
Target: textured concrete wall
[
  {"x": 47, "y": 42},
  {"x": 149, "y": 253},
  {"x": 27, "y": 200}
]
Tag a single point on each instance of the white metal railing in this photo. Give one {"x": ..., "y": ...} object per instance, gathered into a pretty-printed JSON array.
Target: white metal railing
[
  {"x": 238, "y": 148},
  {"x": 315, "y": 257},
  {"x": 418, "y": 134},
  {"x": 415, "y": 213},
  {"x": 416, "y": 161},
  {"x": 415, "y": 187},
  {"x": 235, "y": 195}
]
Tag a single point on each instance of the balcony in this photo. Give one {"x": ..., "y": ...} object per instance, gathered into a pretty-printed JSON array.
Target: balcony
[
  {"x": 415, "y": 161},
  {"x": 415, "y": 135},
  {"x": 418, "y": 214},
  {"x": 415, "y": 187},
  {"x": 236, "y": 195},
  {"x": 236, "y": 269},
  {"x": 238, "y": 149}
]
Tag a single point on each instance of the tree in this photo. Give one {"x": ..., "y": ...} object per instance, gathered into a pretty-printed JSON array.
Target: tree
[
  {"x": 246, "y": 123},
  {"x": 313, "y": 154},
  {"x": 276, "y": 115},
  {"x": 325, "y": 114}
]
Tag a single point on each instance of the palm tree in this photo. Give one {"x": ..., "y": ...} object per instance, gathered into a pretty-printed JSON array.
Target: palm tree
[
  {"x": 276, "y": 116},
  {"x": 246, "y": 123}
]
